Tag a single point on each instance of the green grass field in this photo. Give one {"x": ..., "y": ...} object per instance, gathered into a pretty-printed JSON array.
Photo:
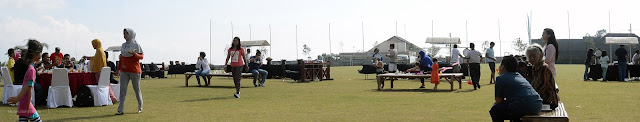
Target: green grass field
[{"x": 347, "y": 98}]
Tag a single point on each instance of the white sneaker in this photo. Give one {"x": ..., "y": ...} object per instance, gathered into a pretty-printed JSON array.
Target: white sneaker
[{"x": 236, "y": 95}]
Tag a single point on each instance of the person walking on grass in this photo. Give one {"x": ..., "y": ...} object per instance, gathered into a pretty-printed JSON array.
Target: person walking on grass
[
  {"x": 254, "y": 67},
  {"x": 203, "y": 69},
  {"x": 129, "y": 68},
  {"x": 491, "y": 60},
  {"x": 236, "y": 55},
  {"x": 26, "y": 110},
  {"x": 474, "y": 58}
]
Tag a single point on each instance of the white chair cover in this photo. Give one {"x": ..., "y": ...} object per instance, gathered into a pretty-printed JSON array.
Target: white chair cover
[
  {"x": 100, "y": 92},
  {"x": 11, "y": 90},
  {"x": 116, "y": 90},
  {"x": 59, "y": 91}
]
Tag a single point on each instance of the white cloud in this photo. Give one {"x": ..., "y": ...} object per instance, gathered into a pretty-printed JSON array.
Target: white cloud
[
  {"x": 72, "y": 38},
  {"x": 33, "y": 4}
]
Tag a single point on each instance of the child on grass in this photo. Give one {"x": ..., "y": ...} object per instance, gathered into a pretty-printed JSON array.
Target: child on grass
[
  {"x": 435, "y": 75},
  {"x": 26, "y": 111}
]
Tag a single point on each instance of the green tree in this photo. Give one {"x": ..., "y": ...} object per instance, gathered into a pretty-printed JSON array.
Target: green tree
[
  {"x": 601, "y": 33},
  {"x": 519, "y": 45},
  {"x": 330, "y": 57},
  {"x": 485, "y": 45},
  {"x": 306, "y": 50},
  {"x": 433, "y": 50},
  {"x": 588, "y": 39}
]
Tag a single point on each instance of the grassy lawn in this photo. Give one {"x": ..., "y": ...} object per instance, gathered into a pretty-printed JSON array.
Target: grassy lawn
[{"x": 347, "y": 98}]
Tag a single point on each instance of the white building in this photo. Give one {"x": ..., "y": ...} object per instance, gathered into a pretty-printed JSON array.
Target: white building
[{"x": 405, "y": 49}]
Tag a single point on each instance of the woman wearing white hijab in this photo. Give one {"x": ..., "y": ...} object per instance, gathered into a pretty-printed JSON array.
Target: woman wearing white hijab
[{"x": 129, "y": 68}]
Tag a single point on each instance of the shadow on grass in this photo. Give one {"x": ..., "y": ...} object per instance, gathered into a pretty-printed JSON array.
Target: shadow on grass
[
  {"x": 467, "y": 90},
  {"x": 412, "y": 90},
  {"x": 84, "y": 118},
  {"x": 631, "y": 81},
  {"x": 207, "y": 99},
  {"x": 219, "y": 87}
]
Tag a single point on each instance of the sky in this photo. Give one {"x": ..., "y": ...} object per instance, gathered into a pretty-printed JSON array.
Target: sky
[{"x": 170, "y": 30}]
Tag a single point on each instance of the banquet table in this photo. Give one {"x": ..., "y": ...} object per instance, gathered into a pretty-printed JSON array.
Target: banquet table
[{"x": 75, "y": 80}]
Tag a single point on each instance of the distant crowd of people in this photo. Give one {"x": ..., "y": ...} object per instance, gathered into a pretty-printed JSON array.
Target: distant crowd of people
[
  {"x": 524, "y": 85},
  {"x": 25, "y": 64}
]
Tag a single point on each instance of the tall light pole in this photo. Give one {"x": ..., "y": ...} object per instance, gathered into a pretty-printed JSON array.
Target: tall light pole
[
  {"x": 297, "y": 43},
  {"x": 210, "y": 40},
  {"x": 363, "y": 39},
  {"x": 499, "y": 36},
  {"x": 330, "y": 39},
  {"x": 270, "y": 43}
]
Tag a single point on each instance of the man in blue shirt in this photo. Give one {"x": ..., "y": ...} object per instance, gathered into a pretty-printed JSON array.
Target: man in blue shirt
[
  {"x": 254, "y": 67},
  {"x": 622, "y": 63},
  {"x": 514, "y": 96}
]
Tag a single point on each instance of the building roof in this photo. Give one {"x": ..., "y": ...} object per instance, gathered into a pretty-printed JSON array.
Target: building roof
[
  {"x": 255, "y": 43},
  {"x": 113, "y": 48},
  {"x": 443, "y": 40},
  {"x": 409, "y": 44},
  {"x": 620, "y": 35},
  {"x": 621, "y": 40}
]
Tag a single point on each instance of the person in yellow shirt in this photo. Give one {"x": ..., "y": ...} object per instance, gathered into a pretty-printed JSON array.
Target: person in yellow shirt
[
  {"x": 98, "y": 61},
  {"x": 12, "y": 54}
]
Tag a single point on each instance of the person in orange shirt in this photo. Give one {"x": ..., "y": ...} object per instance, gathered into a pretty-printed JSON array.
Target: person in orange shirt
[
  {"x": 56, "y": 57},
  {"x": 130, "y": 69},
  {"x": 435, "y": 74}
]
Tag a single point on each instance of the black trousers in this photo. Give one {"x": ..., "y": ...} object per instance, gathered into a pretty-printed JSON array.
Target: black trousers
[{"x": 474, "y": 72}]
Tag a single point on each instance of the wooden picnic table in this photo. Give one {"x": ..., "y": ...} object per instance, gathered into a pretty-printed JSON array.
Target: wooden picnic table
[
  {"x": 449, "y": 77},
  {"x": 557, "y": 115},
  {"x": 210, "y": 75}
]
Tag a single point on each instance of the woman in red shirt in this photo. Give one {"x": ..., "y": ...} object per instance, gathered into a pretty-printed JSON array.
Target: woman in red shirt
[{"x": 238, "y": 63}]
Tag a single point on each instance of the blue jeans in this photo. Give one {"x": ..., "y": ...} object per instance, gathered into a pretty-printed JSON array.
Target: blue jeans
[
  {"x": 622, "y": 70},
  {"x": 604, "y": 73},
  {"x": 506, "y": 111},
  {"x": 257, "y": 72},
  {"x": 586, "y": 72},
  {"x": 202, "y": 73}
]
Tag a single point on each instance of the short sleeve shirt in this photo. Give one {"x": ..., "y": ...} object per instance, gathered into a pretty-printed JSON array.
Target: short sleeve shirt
[
  {"x": 236, "y": 57},
  {"x": 490, "y": 55},
  {"x": 455, "y": 55},
  {"x": 474, "y": 56},
  {"x": 25, "y": 108},
  {"x": 621, "y": 53}
]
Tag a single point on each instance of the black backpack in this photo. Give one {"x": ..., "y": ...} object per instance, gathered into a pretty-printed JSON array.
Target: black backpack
[{"x": 83, "y": 97}]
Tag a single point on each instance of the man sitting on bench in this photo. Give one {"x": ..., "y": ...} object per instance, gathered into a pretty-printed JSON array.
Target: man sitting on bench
[
  {"x": 521, "y": 98},
  {"x": 254, "y": 67}
]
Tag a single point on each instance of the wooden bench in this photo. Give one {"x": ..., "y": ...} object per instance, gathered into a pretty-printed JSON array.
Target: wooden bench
[
  {"x": 188, "y": 75},
  {"x": 451, "y": 78},
  {"x": 557, "y": 115}
]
